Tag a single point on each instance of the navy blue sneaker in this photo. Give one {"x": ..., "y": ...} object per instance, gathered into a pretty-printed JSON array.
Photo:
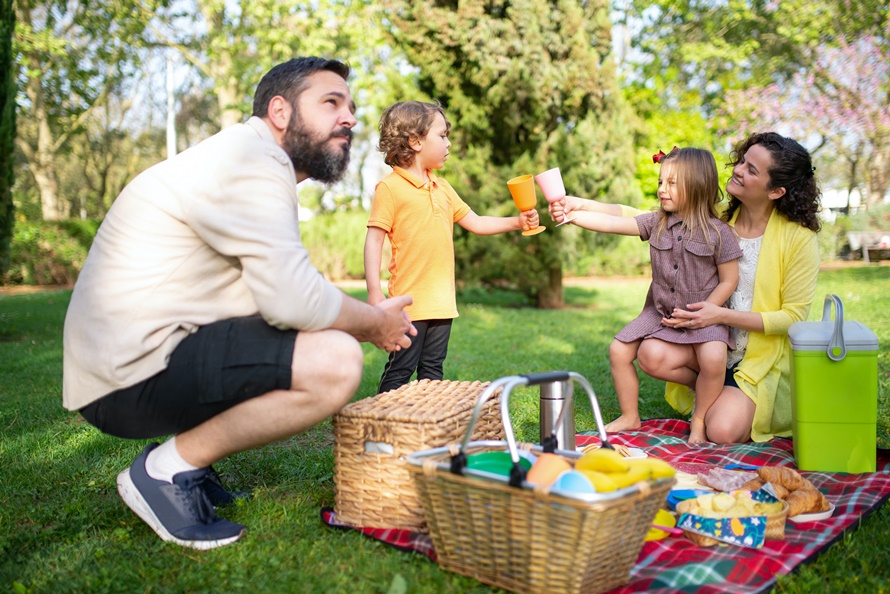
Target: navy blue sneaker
[
  {"x": 178, "y": 512},
  {"x": 217, "y": 493}
]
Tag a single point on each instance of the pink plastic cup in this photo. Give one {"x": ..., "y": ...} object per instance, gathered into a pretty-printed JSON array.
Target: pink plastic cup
[{"x": 552, "y": 187}]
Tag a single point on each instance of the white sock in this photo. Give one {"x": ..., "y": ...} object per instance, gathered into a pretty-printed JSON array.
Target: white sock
[{"x": 164, "y": 461}]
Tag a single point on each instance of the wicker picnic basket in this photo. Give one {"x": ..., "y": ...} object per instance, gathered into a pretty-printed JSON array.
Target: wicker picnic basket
[
  {"x": 372, "y": 437},
  {"x": 520, "y": 537}
]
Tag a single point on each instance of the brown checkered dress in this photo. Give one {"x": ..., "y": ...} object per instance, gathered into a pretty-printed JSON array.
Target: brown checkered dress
[{"x": 684, "y": 271}]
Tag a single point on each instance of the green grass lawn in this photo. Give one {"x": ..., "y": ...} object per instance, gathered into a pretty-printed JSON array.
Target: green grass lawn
[{"x": 64, "y": 529}]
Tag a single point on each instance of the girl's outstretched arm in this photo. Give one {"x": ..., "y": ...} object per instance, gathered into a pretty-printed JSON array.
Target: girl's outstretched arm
[
  {"x": 606, "y": 223},
  {"x": 576, "y": 204}
]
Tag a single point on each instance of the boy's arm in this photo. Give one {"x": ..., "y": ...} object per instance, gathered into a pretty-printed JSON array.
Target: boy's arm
[
  {"x": 486, "y": 225},
  {"x": 373, "y": 255},
  {"x": 606, "y": 223}
]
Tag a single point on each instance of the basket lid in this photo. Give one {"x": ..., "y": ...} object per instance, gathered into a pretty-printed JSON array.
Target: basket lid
[
  {"x": 418, "y": 401},
  {"x": 814, "y": 336}
]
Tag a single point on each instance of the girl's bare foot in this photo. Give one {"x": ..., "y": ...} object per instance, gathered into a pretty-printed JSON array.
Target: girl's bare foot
[
  {"x": 697, "y": 431},
  {"x": 624, "y": 423}
]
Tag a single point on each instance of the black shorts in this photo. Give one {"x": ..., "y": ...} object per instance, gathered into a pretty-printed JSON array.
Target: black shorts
[
  {"x": 729, "y": 380},
  {"x": 212, "y": 370}
]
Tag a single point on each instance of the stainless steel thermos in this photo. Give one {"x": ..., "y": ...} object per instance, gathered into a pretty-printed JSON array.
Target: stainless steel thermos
[{"x": 554, "y": 397}]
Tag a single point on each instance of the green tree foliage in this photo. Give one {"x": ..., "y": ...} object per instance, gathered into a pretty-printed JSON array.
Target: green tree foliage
[
  {"x": 528, "y": 85},
  {"x": 7, "y": 131},
  {"x": 72, "y": 57}
]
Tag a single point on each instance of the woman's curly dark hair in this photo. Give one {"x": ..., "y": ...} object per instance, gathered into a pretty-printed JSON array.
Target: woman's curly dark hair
[
  {"x": 792, "y": 169},
  {"x": 403, "y": 123}
]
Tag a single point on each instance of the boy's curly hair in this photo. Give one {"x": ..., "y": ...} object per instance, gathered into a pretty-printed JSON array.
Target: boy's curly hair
[{"x": 403, "y": 123}]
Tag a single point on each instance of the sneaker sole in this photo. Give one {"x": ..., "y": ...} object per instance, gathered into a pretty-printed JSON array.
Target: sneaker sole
[{"x": 134, "y": 500}]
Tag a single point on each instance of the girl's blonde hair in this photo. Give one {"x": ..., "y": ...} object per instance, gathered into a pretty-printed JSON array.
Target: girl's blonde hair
[
  {"x": 403, "y": 123},
  {"x": 698, "y": 187}
]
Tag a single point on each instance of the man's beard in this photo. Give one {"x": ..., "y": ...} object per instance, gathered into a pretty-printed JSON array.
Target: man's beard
[{"x": 310, "y": 152}]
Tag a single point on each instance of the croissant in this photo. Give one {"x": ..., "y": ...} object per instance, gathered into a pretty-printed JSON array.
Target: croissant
[
  {"x": 753, "y": 485},
  {"x": 780, "y": 475},
  {"x": 804, "y": 501},
  {"x": 781, "y": 492}
]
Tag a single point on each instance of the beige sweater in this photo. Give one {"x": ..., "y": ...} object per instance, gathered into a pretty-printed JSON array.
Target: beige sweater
[{"x": 208, "y": 235}]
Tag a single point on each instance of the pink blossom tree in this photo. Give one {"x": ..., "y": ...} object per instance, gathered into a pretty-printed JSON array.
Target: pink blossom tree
[{"x": 842, "y": 102}]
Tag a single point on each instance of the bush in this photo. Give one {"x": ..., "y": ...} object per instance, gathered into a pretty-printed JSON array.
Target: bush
[
  {"x": 49, "y": 253},
  {"x": 336, "y": 243}
]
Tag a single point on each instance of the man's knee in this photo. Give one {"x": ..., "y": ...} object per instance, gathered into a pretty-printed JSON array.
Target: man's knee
[{"x": 328, "y": 361}]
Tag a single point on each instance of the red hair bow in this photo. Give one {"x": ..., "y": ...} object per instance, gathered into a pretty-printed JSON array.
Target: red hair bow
[{"x": 656, "y": 158}]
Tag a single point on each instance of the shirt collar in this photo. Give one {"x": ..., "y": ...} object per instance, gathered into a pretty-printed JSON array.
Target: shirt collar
[
  {"x": 413, "y": 179},
  {"x": 261, "y": 128},
  {"x": 673, "y": 219}
]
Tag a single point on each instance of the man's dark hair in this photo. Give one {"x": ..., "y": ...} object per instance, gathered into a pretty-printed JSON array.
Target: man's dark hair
[{"x": 289, "y": 80}]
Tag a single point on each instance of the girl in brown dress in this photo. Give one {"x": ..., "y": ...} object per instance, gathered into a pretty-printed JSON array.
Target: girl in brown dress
[{"x": 694, "y": 258}]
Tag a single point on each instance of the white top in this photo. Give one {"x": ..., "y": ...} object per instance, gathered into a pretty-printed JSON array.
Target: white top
[
  {"x": 742, "y": 298},
  {"x": 210, "y": 234}
]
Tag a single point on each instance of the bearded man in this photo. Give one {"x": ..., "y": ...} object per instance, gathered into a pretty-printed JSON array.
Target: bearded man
[{"x": 198, "y": 313}]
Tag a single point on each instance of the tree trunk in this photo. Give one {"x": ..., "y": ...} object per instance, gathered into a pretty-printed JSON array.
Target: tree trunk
[
  {"x": 878, "y": 175},
  {"x": 550, "y": 294}
]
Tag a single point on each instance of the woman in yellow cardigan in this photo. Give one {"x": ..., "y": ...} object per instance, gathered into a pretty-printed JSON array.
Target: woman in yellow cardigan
[{"x": 774, "y": 201}]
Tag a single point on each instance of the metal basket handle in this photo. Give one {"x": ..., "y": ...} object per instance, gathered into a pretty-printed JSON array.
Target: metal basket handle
[
  {"x": 517, "y": 473},
  {"x": 836, "y": 350}
]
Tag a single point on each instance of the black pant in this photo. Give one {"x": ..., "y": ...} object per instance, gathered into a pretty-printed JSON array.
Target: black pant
[{"x": 425, "y": 355}]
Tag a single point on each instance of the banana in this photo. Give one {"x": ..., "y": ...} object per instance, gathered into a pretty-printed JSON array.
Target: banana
[
  {"x": 600, "y": 481},
  {"x": 602, "y": 460},
  {"x": 659, "y": 468},
  {"x": 635, "y": 473}
]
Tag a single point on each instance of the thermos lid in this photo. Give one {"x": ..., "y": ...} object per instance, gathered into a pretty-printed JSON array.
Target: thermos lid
[{"x": 814, "y": 336}]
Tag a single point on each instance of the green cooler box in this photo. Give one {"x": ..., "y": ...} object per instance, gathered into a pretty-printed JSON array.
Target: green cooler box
[{"x": 834, "y": 393}]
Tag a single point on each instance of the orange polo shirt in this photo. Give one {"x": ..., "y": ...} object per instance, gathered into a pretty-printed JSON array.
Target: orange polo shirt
[{"x": 419, "y": 218}]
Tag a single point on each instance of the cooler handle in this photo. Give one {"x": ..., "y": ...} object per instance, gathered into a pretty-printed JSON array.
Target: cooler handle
[{"x": 836, "y": 350}]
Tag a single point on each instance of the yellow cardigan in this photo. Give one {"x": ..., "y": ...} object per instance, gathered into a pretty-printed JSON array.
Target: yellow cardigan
[{"x": 784, "y": 288}]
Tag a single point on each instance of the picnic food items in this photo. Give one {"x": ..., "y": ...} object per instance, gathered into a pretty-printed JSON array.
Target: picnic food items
[
  {"x": 527, "y": 537},
  {"x": 735, "y": 518},
  {"x": 800, "y": 494},
  {"x": 608, "y": 470}
]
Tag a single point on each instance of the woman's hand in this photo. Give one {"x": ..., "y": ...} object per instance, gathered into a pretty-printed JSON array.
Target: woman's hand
[{"x": 699, "y": 315}]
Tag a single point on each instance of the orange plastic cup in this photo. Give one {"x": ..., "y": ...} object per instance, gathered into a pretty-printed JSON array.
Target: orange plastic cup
[{"x": 522, "y": 189}]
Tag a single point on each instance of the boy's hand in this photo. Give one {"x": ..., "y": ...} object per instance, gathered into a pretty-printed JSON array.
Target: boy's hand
[{"x": 528, "y": 219}]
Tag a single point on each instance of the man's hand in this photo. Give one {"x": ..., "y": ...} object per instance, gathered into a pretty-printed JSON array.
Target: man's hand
[{"x": 394, "y": 331}]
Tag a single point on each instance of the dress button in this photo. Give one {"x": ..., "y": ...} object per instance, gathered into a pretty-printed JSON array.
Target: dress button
[
  {"x": 675, "y": 267},
  {"x": 672, "y": 289},
  {"x": 679, "y": 238}
]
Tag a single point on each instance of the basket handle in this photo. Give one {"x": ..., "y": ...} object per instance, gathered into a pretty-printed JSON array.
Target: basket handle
[
  {"x": 836, "y": 350},
  {"x": 517, "y": 473}
]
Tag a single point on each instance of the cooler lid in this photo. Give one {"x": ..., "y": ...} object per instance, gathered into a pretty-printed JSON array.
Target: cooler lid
[{"x": 814, "y": 336}]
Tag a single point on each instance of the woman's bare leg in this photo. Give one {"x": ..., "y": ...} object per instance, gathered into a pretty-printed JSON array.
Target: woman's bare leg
[
  {"x": 730, "y": 418},
  {"x": 668, "y": 361},
  {"x": 627, "y": 385},
  {"x": 711, "y": 358}
]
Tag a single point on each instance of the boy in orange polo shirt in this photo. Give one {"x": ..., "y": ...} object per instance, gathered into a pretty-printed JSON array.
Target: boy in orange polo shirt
[{"x": 417, "y": 210}]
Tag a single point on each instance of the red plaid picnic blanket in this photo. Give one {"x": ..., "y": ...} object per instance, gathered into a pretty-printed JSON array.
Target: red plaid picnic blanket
[{"x": 677, "y": 564}]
